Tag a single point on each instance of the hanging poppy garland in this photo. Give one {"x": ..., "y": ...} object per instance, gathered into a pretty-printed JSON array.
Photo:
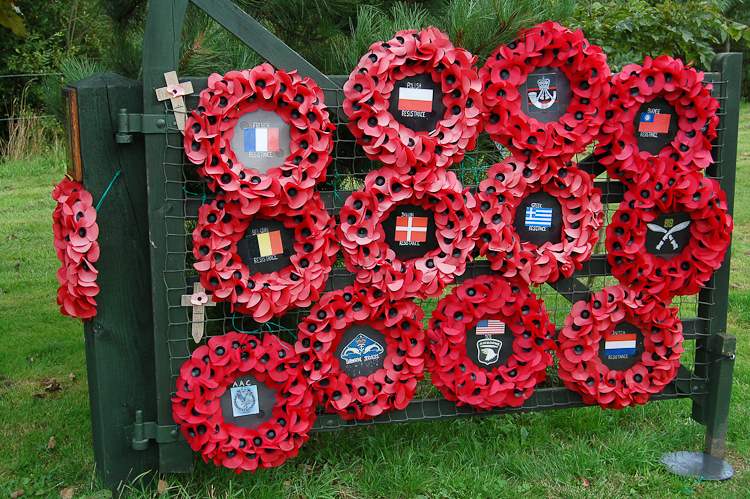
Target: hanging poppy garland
[
  {"x": 492, "y": 306},
  {"x": 664, "y": 83},
  {"x": 364, "y": 239},
  {"x": 503, "y": 195},
  {"x": 664, "y": 209},
  {"x": 211, "y": 372},
  {"x": 591, "y": 327},
  {"x": 75, "y": 232},
  {"x": 328, "y": 354},
  {"x": 299, "y": 102},
  {"x": 389, "y": 80},
  {"x": 223, "y": 228},
  {"x": 536, "y": 60}
]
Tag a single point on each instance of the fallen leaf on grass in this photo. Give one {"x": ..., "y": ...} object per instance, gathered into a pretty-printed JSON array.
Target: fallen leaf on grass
[
  {"x": 586, "y": 483},
  {"x": 12, "y": 237},
  {"x": 305, "y": 467},
  {"x": 67, "y": 493},
  {"x": 40, "y": 395},
  {"x": 16, "y": 494},
  {"x": 72, "y": 377},
  {"x": 50, "y": 384},
  {"x": 162, "y": 486},
  {"x": 51, "y": 443}
]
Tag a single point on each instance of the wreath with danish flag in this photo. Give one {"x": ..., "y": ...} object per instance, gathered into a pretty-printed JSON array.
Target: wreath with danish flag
[
  {"x": 363, "y": 237},
  {"x": 222, "y": 226},
  {"x": 75, "y": 232},
  {"x": 535, "y": 61},
  {"x": 592, "y": 326},
  {"x": 388, "y": 80},
  {"x": 684, "y": 215},
  {"x": 209, "y": 374},
  {"x": 693, "y": 123},
  {"x": 380, "y": 328},
  {"x": 299, "y": 102},
  {"x": 494, "y": 308},
  {"x": 499, "y": 199}
]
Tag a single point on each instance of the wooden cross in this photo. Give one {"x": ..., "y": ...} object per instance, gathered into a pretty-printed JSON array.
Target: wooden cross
[
  {"x": 198, "y": 300},
  {"x": 175, "y": 92}
]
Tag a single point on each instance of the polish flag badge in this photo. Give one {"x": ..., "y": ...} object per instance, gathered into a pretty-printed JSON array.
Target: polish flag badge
[{"x": 415, "y": 99}]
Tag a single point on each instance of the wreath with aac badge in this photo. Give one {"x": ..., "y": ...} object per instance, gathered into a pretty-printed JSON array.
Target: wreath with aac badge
[
  {"x": 362, "y": 352},
  {"x": 75, "y": 233},
  {"x": 207, "y": 396},
  {"x": 210, "y": 134},
  {"x": 291, "y": 252},
  {"x": 528, "y": 109},
  {"x": 516, "y": 337},
  {"x": 415, "y": 99},
  {"x": 648, "y": 368}
]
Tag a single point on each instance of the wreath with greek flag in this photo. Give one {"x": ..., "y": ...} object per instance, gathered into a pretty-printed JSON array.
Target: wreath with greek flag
[
  {"x": 209, "y": 134},
  {"x": 595, "y": 330},
  {"x": 489, "y": 343},
  {"x": 362, "y": 351},
  {"x": 303, "y": 237},
  {"x": 640, "y": 105},
  {"x": 572, "y": 208},
  {"x": 670, "y": 233},
  {"x": 522, "y": 97},
  {"x": 210, "y": 374},
  {"x": 442, "y": 108},
  {"x": 75, "y": 232}
]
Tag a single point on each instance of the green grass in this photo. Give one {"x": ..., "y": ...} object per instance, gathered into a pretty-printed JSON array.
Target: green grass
[{"x": 545, "y": 454}]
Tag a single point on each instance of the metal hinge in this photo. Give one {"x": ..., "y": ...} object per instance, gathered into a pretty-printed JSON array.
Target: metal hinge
[
  {"x": 139, "y": 435},
  {"x": 129, "y": 123}
]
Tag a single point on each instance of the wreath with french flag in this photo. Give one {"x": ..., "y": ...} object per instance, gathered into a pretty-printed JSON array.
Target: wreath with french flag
[
  {"x": 210, "y": 373},
  {"x": 592, "y": 326},
  {"x": 75, "y": 232},
  {"x": 299, "y": 102},
  {"x": 222, "y": 226}
]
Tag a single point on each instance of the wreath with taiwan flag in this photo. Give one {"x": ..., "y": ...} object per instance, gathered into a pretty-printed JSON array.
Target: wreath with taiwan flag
[
  {"x": 210, "y": 129},
  {"x": 590, "y": 340},
  {"x": 209, "y": 377},
  {"x": 415, "y": 100},
  {"x": 75, "y": 232}
]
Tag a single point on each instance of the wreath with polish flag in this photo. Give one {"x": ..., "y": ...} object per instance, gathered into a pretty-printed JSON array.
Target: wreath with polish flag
[
  {"x": 591, "y": 325},
  {"x": 210, "y": 373},
  {"x": 492, "y": 306},
  {"x": 391, "y": 386},
  {"x": 377, "y": 76},
  {"x": 299, "y": 102},
  {"x": 75, "y": 232},
  {"x": 221, "y": 227}
]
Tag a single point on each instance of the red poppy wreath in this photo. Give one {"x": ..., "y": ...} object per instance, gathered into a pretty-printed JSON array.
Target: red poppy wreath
[
  {"x": 290, "y": 250},
  {"x": 564, "y": 191},
  {"x": 513, "y": 335},
  {"x": 212, "y": 376},
  {"x": 415, "y": 99},
  {"x": 591, "y": 327},
  {"x": 362, "y": 352},
  {"x": 661, "y": 83},
  {"x": 209, "y": 133},
  {"x": 521, "y": 84},
  {"x": 75, "y": 232},
  {"x": 670, "y": 233},
  {"x": 385, "y": 195}
]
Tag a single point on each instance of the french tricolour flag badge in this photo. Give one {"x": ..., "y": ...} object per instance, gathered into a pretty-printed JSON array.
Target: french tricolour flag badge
[
  {"x": 415, "y": 99},
  {"x": 620, "y": 344},
  {"x": 652, "y": 122},
  {"x": 261, "y": 139},
  {"x": 490, "y": 326},
  {"x": 411, "y": 229}
]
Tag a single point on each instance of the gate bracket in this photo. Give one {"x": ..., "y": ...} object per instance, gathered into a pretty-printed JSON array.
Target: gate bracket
[
  {"x": 139, "y": 435},
  {"x": 129, "y": 123}
]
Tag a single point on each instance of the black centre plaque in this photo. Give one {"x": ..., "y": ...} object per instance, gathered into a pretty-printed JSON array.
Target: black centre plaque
[
  {"x": 539, "y": 219},
  {"x": 668, "y": 234},
  {"x": 417, "y": 103},
  {"x": 361, "y": 351},
  {"x": 623, "y": 349},
  {"x": 656, "y": 125},
  {"x": 546, "y": 94},
  {"x": 410, "y": 231},
  {"x": 267, "y": 246},
  {"x": 247, "y": 403},
  {"x": 489, "y": 344}
]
